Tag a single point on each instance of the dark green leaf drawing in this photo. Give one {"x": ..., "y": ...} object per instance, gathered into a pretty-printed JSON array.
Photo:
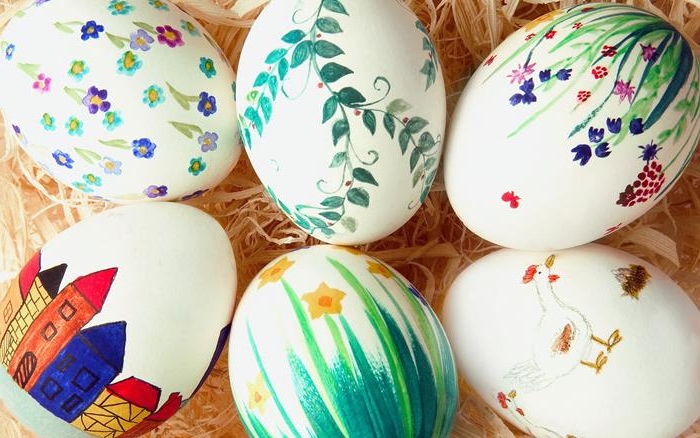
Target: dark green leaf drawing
[
  {"x": 326, "y": 49},
  {"x": 404, "y": 138},
  {"x": 418, "y": 174},
  {"x": 334, "y": 6},
  {"x": 358, "y": 196},
  {"x": 416, "y": 125},
  {"x": 317, "y": 222},
  {"x": 340, "y": 128},
  {"x": 329, "y": 108},
  {"x": 397, "y": 106},
  {"x": 275, "y": 56},
  {"x": 283, "y": 68},
  {"x": 328, "y": 25},
  {"x": 252, "y": 115},
  {"x": 333, "y": 201},
  {"x": 332, "y": 71},
  {"x": 273, "y": 86},
  {"x": 266, "y": 107},
  {"x": 430, "y": 66},
  {"x": 338, "y": 159},
  {"x": 364, "y": 175},
  {"x": 370, "y": 121},
  {"x": 426, "y": 142},
  {"x": 349, "y": 223},
  {"x": 331, "y": 215},
  {"x": 294, "y": 36},
  {"x": 350, "y": 96},
  {"x": 430, "y": 72},
  {"x": 415, "y": 156},
  {"x": 261, "y": 79},
  {"x": 389, "y": 124},
  {"x": 301, "y": 53}
]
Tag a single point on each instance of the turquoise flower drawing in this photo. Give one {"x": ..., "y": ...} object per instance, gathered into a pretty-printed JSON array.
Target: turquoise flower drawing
[
  {"x": 92, "y": 180},
  {"x": 74, "y": 126},
  {"x": 129, "y": 63},
  {"x": 189, "y": 27},
  {"x": 82, "y": 187},
  {"x": 78, "y": 69},
  {"x": 153, "y": 96},
  {"x": 112, "y": 120},
  {"x": 111, "y": 166},
  {"x": 48, "y": 122},
  {"x": 119, "y": 7},
  {"x": 197, "y": 166},
  {"x": 158, "y": 4},
  {"x": 206, "y": 65}
]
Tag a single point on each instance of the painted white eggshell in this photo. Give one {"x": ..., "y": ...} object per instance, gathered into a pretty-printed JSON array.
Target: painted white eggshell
[
  {"x": 598, "y": 344},
  {"x": 342, "y": 110},
  {"x": 576, "y": 125},
  {"x": 117, "y": 321},
  {"x": 327, "y": 341},
  {"x": 127, "y": 100}
]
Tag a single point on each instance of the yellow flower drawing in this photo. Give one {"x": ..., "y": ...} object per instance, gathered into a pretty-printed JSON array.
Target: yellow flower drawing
[
  {"x": 258, "y": 394},
  {"x": 324, "y": 300},
  {"x": 275, "y": 272},
  {"x": 379, "y": 269},
  {"x": 541, "y": 19}
]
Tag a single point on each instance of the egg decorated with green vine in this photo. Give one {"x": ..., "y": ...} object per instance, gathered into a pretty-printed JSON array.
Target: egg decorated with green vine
[
  {"x": 576, "y": 125},
  {"x": 341, "y": 108}
]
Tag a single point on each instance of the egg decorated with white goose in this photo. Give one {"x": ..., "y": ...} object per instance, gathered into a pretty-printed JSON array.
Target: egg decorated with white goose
[
  {"x": 583, "y": 342},
  {"x": 577, "y": 124}
]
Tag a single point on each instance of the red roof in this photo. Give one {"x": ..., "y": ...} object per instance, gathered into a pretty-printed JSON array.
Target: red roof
[
  {"x": 28, "y": 274},
  {"x": 136, "y": 392},
  {"x": 168, "y": 409},
  {"x": 95, "y": 286}
]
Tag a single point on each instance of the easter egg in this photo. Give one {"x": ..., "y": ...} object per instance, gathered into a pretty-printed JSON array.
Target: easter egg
[
  {"x": 577, "y": 124},
  {"x": 582, "y": 342},
  {"x": 341, "y": 107},
  {"x": 127, "y": 100},
  {"x": 327, "y": 341},
  {"x": 115, "y": 323}
]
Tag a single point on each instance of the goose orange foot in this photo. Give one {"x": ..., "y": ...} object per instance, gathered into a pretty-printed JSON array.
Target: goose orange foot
[
  {"x": 612, "y": 341},
  {"x": 600, "y": 360}
]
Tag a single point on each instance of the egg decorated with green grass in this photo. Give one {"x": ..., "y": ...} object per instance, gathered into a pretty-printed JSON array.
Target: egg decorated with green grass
[{"x": 330, "y": 342}]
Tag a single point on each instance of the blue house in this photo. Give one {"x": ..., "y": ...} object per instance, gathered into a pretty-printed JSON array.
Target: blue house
[{"x": 79, "y": 373}]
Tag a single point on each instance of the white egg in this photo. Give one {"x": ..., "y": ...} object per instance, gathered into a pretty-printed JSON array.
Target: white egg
[
  {"x": 126, "y": 100},
  {"x": 342, "y": 110},
  {"x": 117, "y": 321},
  {"x": 330, "y": 342},
  {"x": 585, "y": 342},
  {"x": 576, "y": 125}
]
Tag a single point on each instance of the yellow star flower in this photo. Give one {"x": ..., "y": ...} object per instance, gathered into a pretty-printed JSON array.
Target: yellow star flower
[
  {"x": 541, "y": 19},
  {"x": 379, "y": 269},
  {"x": 324, "y": 300},
  {"x": 258, "y": 394},
  {"x": 350, "y": 249},
  {"x": 275, "y": 272}
]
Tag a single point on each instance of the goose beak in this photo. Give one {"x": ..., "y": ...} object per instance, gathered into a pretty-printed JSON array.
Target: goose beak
[{"x": 549, "y": 262}]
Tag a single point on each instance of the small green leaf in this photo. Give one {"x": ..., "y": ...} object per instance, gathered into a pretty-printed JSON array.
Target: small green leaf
[
  {"x": 426, "y": 44},
  {"x": 261, "y": 79},
  {"x": 331, "y": 215},
  {"x": 181, "y": 99},
  {"x": 334, "y": 6},
  {"x": 680, "y": 127},
  {"x": 246, "y": 138},
  {"x": 426, "y": 185},
  {"x": 31, "y": 70},
  {"x": 358, "y": 196},
  {"x": 293, "y": 36},
  {"x": 76, "y": 94},
  {"x": 88, "y": 155},
  {"x": 273, "y": 85},
  {"x": 338, "y": 159},
  {"x": 332, "y": 71},
  {"x": 415, "y": 156},
  {"x": 121, "y": 144},
  {"x": 117, "y": 41},
  {"x": 145, "y": 26},
  {"x": 426, "y": 142},
  {"x": 252, "y": 115},
  {"x": 397, "y": 106},
  {"x": 328, "y": 25},
  {"x": 389, "y": 124},
  {"x": 326, "y": 49},
  {"x": 664, "y": 135},
  {"x": 430, "y": 71},
  {"x": 364, "y": 175},
  {"x": 63, "y": 28},
  {"x": 370, "y": 121},
  {"x": 283, "y": 68},
  {"x": 418, "y": 174},
  {"x": 303, "y": 223},
  {"x": 266, "y": 107},
  {"x": 349, "y": 223},
  {"x": 300, "y": 54},
  {"x": 416, "y": 125},
  {"x": 404, "y": 138},
  {"x": 340, "y": 128},
  {"x": 350, "y": 96},
  {"x": 317, "y": 222},
  {"x": 252, "y": 97},
  {"x": 683, "y": 105},
  {"x": 329, "y": 108},
  {"x": 333, "y": 202},
  {"x": 186, "y": 129},
  {"x": 275, "y": 56}
]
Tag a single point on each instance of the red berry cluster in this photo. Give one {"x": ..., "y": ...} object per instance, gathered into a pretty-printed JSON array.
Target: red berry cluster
[
  {"x": 608, "y": 51},
  {"x": 599, "y": 72},
  {"x": 649, "y": 182},
  {"x": 583, "y": 95}
]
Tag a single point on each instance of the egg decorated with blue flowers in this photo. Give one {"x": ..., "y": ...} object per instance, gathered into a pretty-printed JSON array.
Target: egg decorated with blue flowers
[
  {"x": 126, "y": 100},
  {"x": 328, "y": 341},
  {"x": 576, "y": 125}
]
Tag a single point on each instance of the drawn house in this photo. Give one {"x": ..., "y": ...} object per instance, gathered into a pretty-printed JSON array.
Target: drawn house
[
  {"x": 169, "y": 408},
  {"x": 120, "y": 407},
  {"x": 79, "y": 373},
  {"x": 27, "y": 297},
  {"x": 56, "y": 325},
  {"x": 220, "y": 344}
]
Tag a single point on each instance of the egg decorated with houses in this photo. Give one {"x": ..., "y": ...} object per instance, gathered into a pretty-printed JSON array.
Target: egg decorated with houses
[
  {"x": 341, "y": 107},
  {"x": 116, "y": 322},
  {"x": 582, "y": 342},
  {"x": 327, "y": 341},
  {"x": 577, "y": 124},
  {"x": 126, "y": 100}
]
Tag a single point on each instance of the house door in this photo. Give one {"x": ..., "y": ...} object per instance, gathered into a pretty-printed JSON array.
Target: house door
[{"x": 25, "y": 369}]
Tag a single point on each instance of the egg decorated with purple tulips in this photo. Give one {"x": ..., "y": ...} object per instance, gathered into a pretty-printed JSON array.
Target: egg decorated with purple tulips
[
  {"x": 576, "y": 125},
  {"x": 126, "y": 100}
]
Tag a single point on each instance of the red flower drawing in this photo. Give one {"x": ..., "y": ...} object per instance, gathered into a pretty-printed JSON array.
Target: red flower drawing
[
  {"x": 502, "y": 400},
  {"x": 512, "y": 198}
]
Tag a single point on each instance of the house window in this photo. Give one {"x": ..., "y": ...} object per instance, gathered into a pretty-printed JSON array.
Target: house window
[
  {"x": 66, "y": 311},
  {"x": 71, "y": 403},
  {"x": 7, "y": 313},
  {"x": 65, "y": 363},
  {"x": 49, "y": 331},
  {"x": 50, "y": 389},
  {"x": 85, "y": 379}
]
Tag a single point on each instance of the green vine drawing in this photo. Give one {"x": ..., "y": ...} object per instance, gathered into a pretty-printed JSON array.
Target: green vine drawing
[
  {"x": 308, "y": 49},
  {"x": 430, "y": 67}
]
